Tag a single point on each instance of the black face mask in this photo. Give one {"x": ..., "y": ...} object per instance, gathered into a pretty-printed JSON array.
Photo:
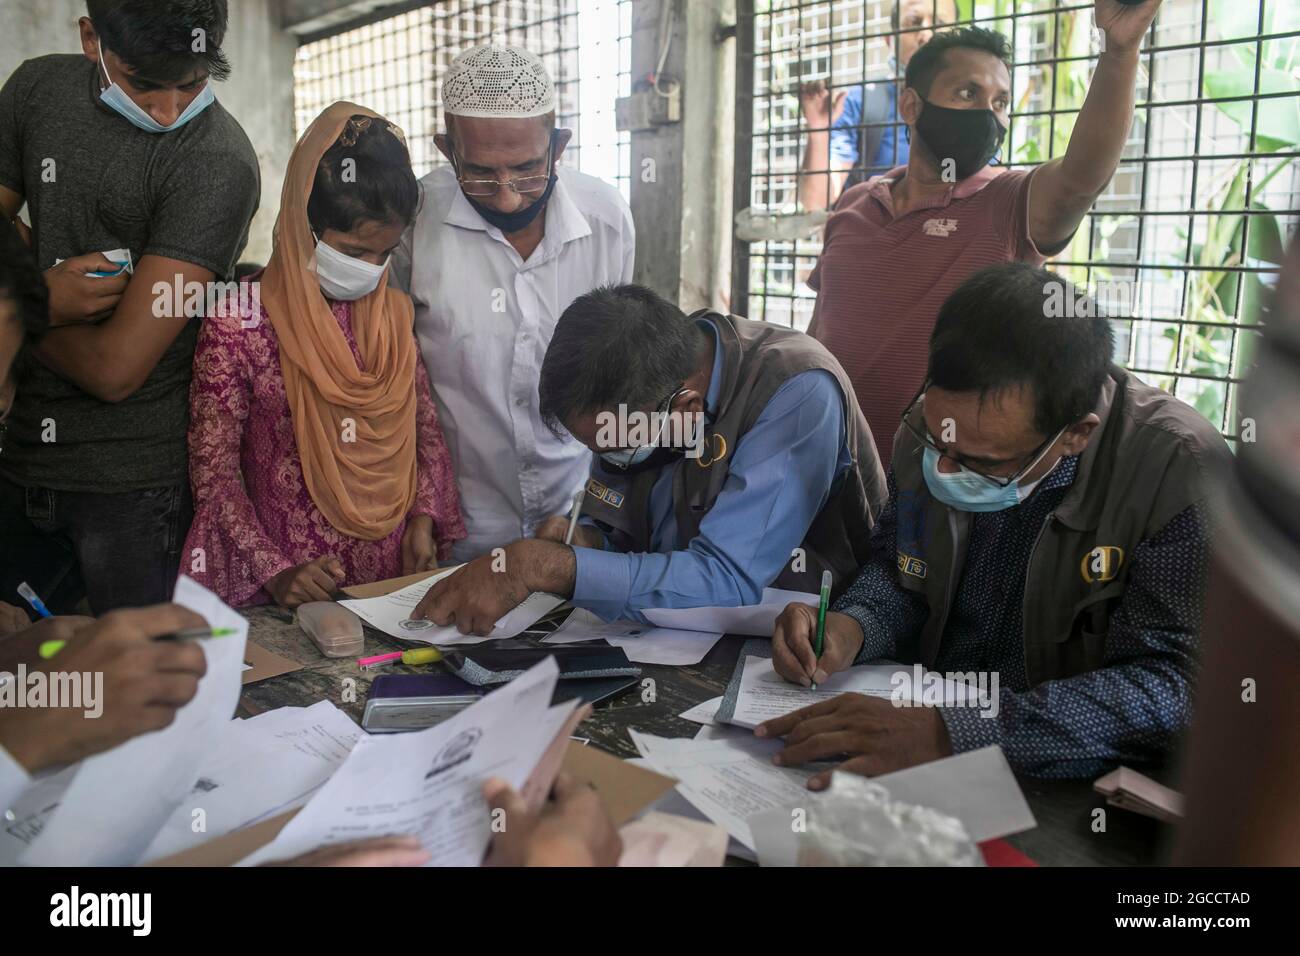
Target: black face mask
[
  {"x": 970, "y": 138},
  {"x": 509, "y": 222}
]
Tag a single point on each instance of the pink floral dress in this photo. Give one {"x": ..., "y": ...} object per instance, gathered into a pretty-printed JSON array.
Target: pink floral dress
[{"x": 253, "y": 515}]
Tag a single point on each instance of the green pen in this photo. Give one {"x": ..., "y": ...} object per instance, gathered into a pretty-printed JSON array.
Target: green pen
[
  {"x": 821, "y": 616},
  {"x": 49, "y": 648}
]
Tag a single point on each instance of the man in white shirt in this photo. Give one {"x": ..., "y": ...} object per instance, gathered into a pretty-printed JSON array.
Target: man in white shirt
[{"x": 504, "y": 241}]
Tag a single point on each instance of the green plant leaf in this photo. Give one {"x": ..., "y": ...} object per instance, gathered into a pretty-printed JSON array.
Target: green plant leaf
[
  {"x": 1266, "y": 243},
  {"x": 1278, "y": 126}
]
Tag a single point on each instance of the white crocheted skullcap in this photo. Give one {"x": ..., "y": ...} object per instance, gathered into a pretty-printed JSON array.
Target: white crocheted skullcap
[{"x": 495, "y": 80}]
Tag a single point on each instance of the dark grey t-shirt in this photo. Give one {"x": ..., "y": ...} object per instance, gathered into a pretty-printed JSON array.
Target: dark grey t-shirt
[{"x": 186, "y": 195}]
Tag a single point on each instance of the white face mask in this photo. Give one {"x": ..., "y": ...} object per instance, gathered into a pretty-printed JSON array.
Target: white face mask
[{"x": 344, "y": 278}]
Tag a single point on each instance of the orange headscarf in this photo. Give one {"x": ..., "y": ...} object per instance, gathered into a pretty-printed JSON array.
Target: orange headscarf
[{"x": 364, "y": 487}]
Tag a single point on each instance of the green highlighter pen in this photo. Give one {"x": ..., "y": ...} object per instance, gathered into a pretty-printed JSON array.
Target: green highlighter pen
[
  {"x": 49, "y": 648},
  {"x": 821, "y": 616}
]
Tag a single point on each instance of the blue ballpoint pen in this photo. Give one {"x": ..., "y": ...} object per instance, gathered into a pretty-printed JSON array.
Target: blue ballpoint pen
[{"x": 30, "y": 597}]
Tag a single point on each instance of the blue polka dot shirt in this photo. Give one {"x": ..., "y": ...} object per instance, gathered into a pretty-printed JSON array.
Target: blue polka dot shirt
[{"x": 1129, "y": 711}]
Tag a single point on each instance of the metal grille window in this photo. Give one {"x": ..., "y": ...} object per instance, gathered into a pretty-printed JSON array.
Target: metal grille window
[
  {"x": 395, "y": 65},
  {"x": 1190, "y": 231}
]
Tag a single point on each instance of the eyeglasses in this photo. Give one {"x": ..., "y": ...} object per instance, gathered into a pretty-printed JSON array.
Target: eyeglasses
[
  {"x": 662, "y": 409},
  {"x": 927, "y": 441},
  {"x": 529, "y": 186}
]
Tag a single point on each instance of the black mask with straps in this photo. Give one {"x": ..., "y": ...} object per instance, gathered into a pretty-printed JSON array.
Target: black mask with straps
[
  {"x": 509, "y": 222},
  {"x": 970, "y": 138}
]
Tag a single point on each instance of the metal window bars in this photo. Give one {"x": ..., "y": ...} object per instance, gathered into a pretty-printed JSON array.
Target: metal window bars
[
  {"x": 394, "y": 65},
  {"x": 1182, "y": 246}
]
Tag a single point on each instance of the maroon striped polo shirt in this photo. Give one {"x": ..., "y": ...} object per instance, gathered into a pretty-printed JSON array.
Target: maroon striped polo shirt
[{"x": 880, "y": 279}]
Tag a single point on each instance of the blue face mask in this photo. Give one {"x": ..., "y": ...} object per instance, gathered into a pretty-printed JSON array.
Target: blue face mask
[
  {"x": 967, "y": 491},
  {"x": 627, "y": 457},
  {"x": 116, "y": 99}
]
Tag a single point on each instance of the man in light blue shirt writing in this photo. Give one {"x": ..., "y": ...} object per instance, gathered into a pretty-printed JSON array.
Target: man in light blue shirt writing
[{"x": 732, "y": 455}]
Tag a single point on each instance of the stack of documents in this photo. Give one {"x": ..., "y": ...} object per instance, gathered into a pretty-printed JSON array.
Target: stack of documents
[
  {"x": 976, "y": 787},
  {"x": 260, "y": 767},
  {"x": 730, "y": 779},
  {"x": 427, "y": 783}
]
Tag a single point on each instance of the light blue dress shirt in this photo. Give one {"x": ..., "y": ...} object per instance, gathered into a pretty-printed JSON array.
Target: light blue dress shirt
[{"x": 782, "y": 474}]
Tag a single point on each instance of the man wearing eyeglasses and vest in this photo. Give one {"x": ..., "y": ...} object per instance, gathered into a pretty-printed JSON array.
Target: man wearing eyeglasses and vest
[
  {"x": 1046, "y": 525},
  {"x": 504, "y": 240},
  {"x": 732, "y": 455}
]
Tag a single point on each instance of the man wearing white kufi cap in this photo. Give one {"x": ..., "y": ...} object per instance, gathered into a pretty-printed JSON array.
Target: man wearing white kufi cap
[{"x": 504, "y": 241}]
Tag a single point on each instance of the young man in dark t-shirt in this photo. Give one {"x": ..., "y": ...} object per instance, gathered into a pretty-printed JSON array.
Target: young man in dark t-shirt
[{"x": 121, "y": 148}]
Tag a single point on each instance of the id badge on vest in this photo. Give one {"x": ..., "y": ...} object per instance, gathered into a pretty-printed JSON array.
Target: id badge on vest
[{"x": 912, "y": 540}]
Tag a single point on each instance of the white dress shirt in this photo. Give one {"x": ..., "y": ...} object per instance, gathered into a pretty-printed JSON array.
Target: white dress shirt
[{"x": 483, "y": 318}]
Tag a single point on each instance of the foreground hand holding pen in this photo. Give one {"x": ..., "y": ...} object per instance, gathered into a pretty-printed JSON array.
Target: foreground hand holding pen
[
  {"x": 794, "y": 655},
  {"x": 145, "y": 681}
]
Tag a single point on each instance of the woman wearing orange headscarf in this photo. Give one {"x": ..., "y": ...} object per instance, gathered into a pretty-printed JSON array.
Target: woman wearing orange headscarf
[{"x": 315, "y": 451}]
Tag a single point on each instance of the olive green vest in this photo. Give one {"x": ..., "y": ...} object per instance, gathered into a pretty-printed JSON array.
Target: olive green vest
[
  {"x": 757, "y": 359},
  {"x": 1151, "y": 457}
]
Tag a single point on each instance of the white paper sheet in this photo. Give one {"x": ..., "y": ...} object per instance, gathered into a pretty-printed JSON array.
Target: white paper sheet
[
  {"x": 976, "y": 787},
  {"x": 428, "y": 782},
  {"x": 642, "y": 643},
  {"x": 119, "y": 799},
  {"x": 702, "y": 713},
  {"x": 728, "y": 781},
  {"x": 258, "y": 769},
  {"x": 765, "y": 694},
  {"x": 391, "y": 613},
  {"x": 756, "y": 620},
  {"x": 583, "y": 625},
  {"x": 31, "y": 811}
]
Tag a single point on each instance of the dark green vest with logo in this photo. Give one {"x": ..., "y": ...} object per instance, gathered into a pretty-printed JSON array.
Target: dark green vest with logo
[
  {"x": 757, "y": 359},
  {"x": 1151, "y": 457}
]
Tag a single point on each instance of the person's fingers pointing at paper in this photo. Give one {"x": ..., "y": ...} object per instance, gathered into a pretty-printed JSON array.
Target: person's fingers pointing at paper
[
  {"x": 792, "y": 644},
  {"x": 476, "y": 596},
  {"x": 484, "y": 590}
]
